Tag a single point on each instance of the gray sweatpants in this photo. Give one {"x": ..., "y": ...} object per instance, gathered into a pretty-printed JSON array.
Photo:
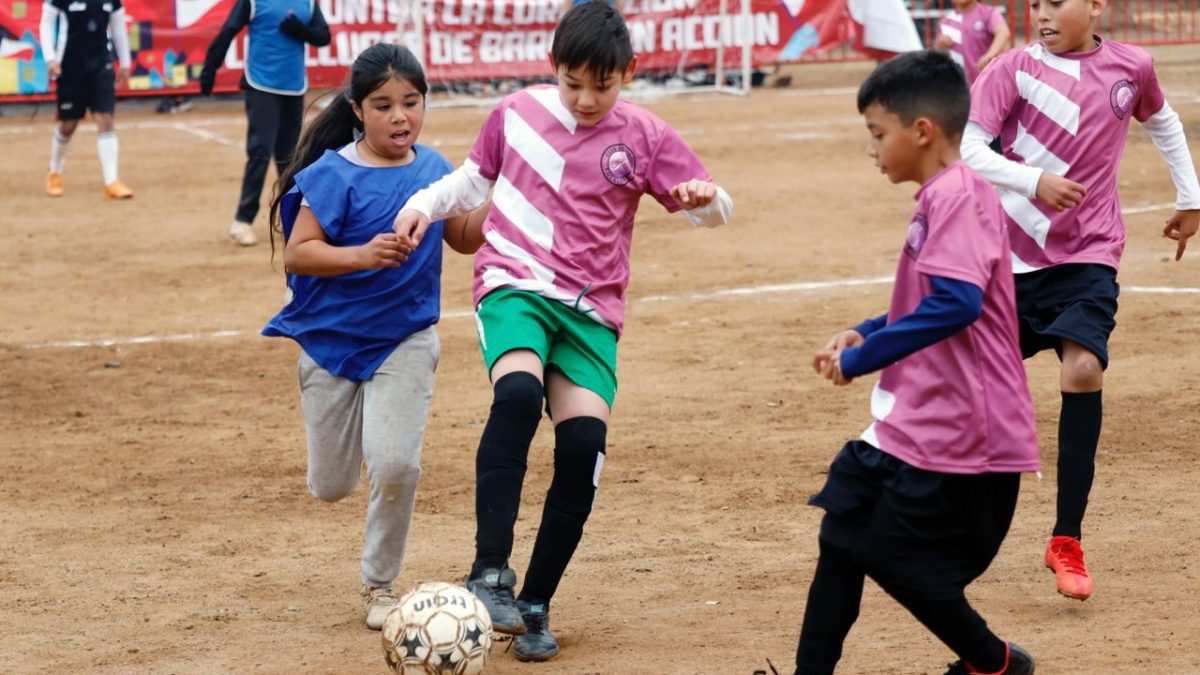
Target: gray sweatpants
[{"x": 379, "y": 422}]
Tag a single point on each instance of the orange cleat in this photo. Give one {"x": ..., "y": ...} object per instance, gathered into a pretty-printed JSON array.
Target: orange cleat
[
  {"x": 54, "y": 184},
  {"x": 117, "y": 190},
  {"x": 1064, "y": 555}
]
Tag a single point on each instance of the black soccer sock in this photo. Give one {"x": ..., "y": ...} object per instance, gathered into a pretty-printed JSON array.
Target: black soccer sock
[
  {"x": 958, "y": 626},
  {"x": 1078, "y": 436},
  {"x": 833, "y": 601},
  {"x": 578, "y": 454},
  {"x": 500, "y": 466}
]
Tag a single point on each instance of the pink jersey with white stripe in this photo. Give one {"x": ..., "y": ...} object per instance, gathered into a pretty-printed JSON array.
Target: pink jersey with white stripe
[
  {"x": 563, "y": 205},
  {"x": 1067, "y": 114},
  {"x": 972, "y": 32},
  {"x": 960, "y": 405}
]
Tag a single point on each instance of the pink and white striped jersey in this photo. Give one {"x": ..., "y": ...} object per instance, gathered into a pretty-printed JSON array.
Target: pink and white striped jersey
[
  {"x": 972, "y": 32},
  {"x": 565, "y": 196},
  {"x": 960, "y": 405},
  {"x": 1067, "y": 114}
]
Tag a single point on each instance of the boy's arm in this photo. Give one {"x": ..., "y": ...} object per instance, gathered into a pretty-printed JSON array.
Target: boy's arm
[
  {"x": 704, "y": 204},
  {"x": 996, "y": 169},
  {"x": 46, "y": 34},
  {"x": 950, "y": 307},
  {"x": 1001, "y": 38},
  {"x": 1053, "y": 190},
  {"x": 1166, "y": 132},
  {"x": 120, "y": 40},
  {"x": 461, "y": 191}
]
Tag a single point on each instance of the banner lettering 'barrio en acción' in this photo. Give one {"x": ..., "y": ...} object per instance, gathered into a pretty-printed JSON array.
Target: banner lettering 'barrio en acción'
[{"x": 464, "y": 39}]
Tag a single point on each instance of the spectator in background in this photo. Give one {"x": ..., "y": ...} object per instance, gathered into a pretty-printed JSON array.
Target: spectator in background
[{"x": 275, "y": 81}]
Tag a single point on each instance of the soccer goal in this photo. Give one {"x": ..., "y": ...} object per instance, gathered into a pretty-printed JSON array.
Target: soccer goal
[{"x": 476, "y": 51}]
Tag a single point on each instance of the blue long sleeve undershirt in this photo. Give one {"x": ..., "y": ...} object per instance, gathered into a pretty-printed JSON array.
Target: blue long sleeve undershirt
[{"x": 950, "y": 307}]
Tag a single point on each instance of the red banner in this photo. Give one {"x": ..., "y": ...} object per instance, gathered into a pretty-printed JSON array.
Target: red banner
[{"x": 464, "y": 39}]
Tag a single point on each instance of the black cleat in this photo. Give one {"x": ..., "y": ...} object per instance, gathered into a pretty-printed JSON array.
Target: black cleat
[
  {"x": 1017, "y": 662},
  {"x": 538, "y": 644},
  {"x": 494, "y": 588}
]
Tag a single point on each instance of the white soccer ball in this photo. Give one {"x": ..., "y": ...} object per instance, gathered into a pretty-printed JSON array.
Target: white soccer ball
[{"x": 437, "y": 629}]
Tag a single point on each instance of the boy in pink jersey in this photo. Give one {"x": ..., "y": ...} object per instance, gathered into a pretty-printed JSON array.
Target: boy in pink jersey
[
  {"x": 567, "y": 167},
  {"x": 922, "y": 501},
  {"x": 973, "y": 34},
  {"x": 1061, "y": 108}
]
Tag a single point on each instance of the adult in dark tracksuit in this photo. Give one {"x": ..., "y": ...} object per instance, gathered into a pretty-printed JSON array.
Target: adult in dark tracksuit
[{"x": 274, "y": 80}]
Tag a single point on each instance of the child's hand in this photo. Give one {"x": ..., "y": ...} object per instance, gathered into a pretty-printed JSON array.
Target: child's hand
[
  {"x": 827, "y": 361},
  {"x": 694, "y": 193},
  {"x": 984, "y": 61},
  {"x": 385, "y": 250},
  {"x": 1059, "y": 193},
  {"x": 1181, "y": 227},
  {"x": 410, "y": 226},
  {"x": 943, "y": 43}
]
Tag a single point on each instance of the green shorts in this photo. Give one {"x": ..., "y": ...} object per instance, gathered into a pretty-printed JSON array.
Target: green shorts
[{"x": 585, "y": 351}]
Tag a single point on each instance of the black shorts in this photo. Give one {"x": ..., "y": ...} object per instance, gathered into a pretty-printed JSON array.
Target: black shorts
[
  {"x": 89, "y": 88},
  {"x": 926, "y": 532},
  {"x": 1067, "y": 302}
]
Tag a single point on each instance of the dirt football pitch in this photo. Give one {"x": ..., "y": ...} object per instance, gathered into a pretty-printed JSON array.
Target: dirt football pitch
[{"x": 153, "y": 510}]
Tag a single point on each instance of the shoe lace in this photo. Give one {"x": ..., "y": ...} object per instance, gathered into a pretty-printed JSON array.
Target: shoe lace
[
  {"x": 1070, "y": 555},
  {"x": 535, "y": 622},
  {"x": 383, "y": 595}
]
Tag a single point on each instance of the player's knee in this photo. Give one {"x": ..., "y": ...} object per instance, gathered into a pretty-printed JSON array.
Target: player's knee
[
  {"x": 401, "y": 471},
  {"x": 1082, "y": 371},
  {"x": 331, "y": 488},
  {"x": 519, "y": 396},
  {"x": 578, "y": 460}
]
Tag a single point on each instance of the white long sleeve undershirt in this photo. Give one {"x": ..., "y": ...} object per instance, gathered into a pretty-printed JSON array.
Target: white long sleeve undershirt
[
  {"x": 1166, "y": 132},
  {"x": 120, "y": 36},
  {"x": 52, "y": 34},
  {"x": 465, "y": 189},
  {"x": 995, "y": 169},
  {"x": 52, "y": 49}
]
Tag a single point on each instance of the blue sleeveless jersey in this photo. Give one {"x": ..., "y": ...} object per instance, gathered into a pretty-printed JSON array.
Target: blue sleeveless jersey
[
  {"x": 275, "y": 61},
  {"x": 350, "y": 323}
]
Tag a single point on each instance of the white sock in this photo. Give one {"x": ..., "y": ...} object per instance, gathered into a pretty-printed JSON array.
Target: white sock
[
  {"x": 106, "y": 146},
  {"x": 58, "y": 151}
]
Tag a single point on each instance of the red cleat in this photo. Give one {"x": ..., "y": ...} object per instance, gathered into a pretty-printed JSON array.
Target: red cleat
[{"x": 1064, "y": 555}]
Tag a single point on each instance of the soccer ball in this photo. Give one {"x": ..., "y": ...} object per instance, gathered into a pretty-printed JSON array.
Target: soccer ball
[{"x": 437, "y": 629}]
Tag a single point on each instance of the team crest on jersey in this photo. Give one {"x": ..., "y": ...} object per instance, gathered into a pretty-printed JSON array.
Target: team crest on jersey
[
  {"x": 1121, "y": 97},
  {"x": 979, "y": 26},
  {"x": 618, "y": 164},
  {"x": 918, "y": 232}
]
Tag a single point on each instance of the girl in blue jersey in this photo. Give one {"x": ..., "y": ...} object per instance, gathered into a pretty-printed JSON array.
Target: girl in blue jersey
[{"x": 363, "y": 301}]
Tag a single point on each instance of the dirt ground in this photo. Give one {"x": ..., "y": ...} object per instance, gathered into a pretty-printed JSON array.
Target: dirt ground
[{"x": 153, "y": 511}]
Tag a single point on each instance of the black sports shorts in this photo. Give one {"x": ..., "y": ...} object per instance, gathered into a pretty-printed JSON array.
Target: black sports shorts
[
  {"x": 1067, "y": 302},
  {"x": 927, "y": 532},
  {"x": 83, "y": 89}
]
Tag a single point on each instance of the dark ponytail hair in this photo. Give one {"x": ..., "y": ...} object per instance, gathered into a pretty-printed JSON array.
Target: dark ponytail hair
[{"x": 334, "y": 127}]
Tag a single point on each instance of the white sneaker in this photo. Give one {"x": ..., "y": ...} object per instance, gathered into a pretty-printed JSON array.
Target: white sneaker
[
  {"x": 242, "y": 234},
  {"x": 378, "y": 602}
]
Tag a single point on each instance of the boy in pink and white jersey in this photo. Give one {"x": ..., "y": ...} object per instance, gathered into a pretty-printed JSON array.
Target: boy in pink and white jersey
[
  {"x": 567, "y": 166},
  {"x": 1061, "y": 108},
  {"x": 923, "y": 500},
  {"x": 973, "y": 34}
]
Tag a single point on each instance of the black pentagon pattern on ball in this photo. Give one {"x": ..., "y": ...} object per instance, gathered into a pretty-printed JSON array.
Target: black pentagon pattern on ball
[
  {"x": 411, "y": 643},
  {"x": 474, "y": 634},
  {"x": 446, "y": 663}
]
